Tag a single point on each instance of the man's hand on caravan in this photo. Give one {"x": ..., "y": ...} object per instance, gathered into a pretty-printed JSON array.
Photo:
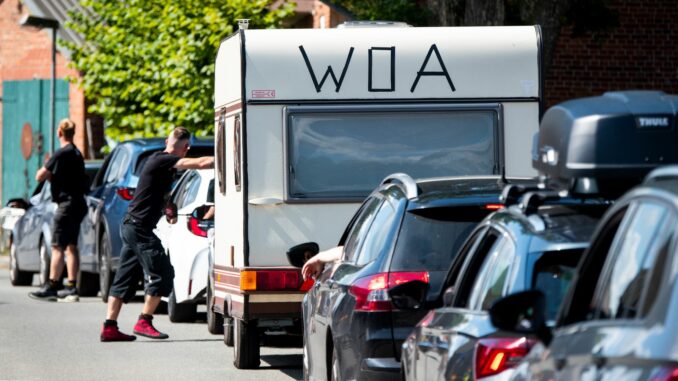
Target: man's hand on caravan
[{"x": 314, "y": 266}]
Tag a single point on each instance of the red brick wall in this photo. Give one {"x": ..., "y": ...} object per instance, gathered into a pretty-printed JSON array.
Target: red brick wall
[
  {"x": 332, "y": 18},
  {"x": 641, "y": 53},
  {"x": 25, "y": 53}
]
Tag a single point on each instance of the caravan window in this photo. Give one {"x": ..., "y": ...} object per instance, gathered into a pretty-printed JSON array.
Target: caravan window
[{"x": 339, "y": 153}]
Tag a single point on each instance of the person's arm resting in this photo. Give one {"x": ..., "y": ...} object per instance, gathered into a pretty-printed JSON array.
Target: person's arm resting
[
  {"x": 205, "y": 162},
  {"x": 43, "y": 174}
]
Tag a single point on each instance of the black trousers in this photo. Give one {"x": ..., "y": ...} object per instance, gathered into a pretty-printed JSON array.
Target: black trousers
[{"x": 142, "y": 254}]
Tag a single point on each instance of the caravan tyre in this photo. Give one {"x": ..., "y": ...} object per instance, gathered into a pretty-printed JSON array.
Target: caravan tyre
[
  {"x": 228, "y": 331},
  {"x": 215, "y": 321},
  {"x": 245, "y": 344}
]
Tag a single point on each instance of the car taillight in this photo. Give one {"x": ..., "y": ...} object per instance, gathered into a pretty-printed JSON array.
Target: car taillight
[
  {"x": 494, "y": 356},
  {"x": 494, "y": 206},
  {"x": 270, "y": 280},
  {"x": 371, "y": 292},
  {"x": 125, "y": 193},
  {"x": 664, "y": 374},
  {"x": 194, "y": 226}
]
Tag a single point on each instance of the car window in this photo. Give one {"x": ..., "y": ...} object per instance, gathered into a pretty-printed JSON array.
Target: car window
[
  {"x": 430, "y": 238},
  {"x": 489, "y": 284},
  {"x": 552, "y": 274},
  {"x": 633, "y": 255},
  {"x": 183, "y": 188},
  {"x": 360, "y": 226},
  {"x": 113, "y": 166},
  {"x": 192, "y": 190},
  {"x": 379, "y": 238}
]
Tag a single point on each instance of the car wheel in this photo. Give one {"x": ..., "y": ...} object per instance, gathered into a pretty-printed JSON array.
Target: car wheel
[
  {"x": 44, "y": 262},
  {"x": 180, "y": 312},
  {"x": 215, "y": 321},
  {"x": 88, "y": 283},
  {"x": 245, "y": 344},
  {"x": 228, "y": 331},
  {"x": 105, "y": 272},
  {"x": 335, "y": 374},
  {"x": 16, "y": 276}
]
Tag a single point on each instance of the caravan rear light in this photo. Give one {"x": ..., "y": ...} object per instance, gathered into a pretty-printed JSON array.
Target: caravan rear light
[
  {"x": 125, "y": 193},
  {"x": 270, "y": 280},
  {"x": 371, "y": 292},
  {"x": 494, "y": 356}
]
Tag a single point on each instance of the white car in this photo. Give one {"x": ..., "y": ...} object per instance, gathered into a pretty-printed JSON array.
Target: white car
[{"x": 186, "y": 242}]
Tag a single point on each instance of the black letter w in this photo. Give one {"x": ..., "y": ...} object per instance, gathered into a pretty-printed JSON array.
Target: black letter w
[{"x": 329, "y": 72}]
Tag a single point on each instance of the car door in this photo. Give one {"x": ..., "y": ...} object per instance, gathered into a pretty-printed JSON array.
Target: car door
[
  {"x": 631, "y": 247},
  {"x": 88, "y": 228},
  {"x": 178, "y": 197},
  {"x": 319, "y": 298},
  {"x": 456, "y": 332},
  {"x": 33, "y": 236}
]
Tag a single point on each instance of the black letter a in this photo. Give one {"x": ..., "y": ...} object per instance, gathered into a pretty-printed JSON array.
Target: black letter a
[
  {"x": 434, "y": 49},
  {"x": 330, "y": 72}
]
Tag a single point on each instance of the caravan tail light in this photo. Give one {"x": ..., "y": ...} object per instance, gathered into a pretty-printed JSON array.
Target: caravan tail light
[
  {"x": 125, "y": 193},
  {"x": 494, "y": 356},
  {"x": 271, "y": 280},
  {"x": 371, "y": 292}
]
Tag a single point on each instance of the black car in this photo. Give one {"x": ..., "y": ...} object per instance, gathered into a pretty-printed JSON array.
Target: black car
[
  {"x": 536, "y": 244},
  {"x": 356, "y": 316},
  {"x": 618, "y": 320}
]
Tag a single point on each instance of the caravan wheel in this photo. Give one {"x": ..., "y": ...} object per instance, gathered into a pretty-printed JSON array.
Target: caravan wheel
[{"x": 245, "y": 344}]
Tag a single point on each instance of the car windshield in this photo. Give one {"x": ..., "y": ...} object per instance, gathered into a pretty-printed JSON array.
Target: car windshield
[{"x": 430, "y": 238}]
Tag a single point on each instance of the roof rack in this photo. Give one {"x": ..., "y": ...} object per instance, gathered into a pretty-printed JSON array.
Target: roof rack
[
  {"x": 669, "y": 171},
  {"x": 531, "y": 201},
  {"x": 407, "y": 182},
  {"x": 512, "y": 193}
]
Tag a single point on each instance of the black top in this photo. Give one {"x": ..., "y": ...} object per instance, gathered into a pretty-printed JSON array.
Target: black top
[
  {"x": 155, "y": 183},
  {"x": 69, "y": 181}
]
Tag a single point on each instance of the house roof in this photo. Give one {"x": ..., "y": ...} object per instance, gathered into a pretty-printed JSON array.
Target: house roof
[{"x": 58, "y": 10}]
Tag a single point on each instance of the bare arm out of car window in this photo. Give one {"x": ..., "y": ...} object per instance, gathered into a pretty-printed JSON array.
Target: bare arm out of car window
[{"x": 314, "y": 266}]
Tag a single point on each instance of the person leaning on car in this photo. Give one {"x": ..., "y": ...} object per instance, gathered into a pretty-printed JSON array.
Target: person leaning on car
[
  {"x": 142, "y": 250},
  {"x": 65, "y": 170}
]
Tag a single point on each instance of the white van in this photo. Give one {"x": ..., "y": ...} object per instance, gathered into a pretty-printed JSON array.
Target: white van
[{"x": 308, "y": 122}]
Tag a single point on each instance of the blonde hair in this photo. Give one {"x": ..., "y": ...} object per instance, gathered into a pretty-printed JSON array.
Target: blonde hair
[{"x": 67, "y": 128}]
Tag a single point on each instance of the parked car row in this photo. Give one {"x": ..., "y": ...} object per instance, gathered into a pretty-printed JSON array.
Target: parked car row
[{"x": 423, "y": 287}]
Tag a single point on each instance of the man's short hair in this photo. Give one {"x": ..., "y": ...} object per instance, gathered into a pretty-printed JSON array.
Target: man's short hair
[
  {"x": 67, "y": 128},
  {"x": 181, "y": 133}
]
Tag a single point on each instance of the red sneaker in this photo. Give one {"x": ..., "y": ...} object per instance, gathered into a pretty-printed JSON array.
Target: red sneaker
[
  {"x": 112, "y": 333},
  {"x": 144, "y": 327}
]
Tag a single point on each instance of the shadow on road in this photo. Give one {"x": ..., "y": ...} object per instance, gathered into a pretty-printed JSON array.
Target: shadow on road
[{"x": 288, "y": 364}]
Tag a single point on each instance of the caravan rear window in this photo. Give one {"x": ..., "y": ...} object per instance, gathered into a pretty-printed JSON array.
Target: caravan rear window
[{"x": 342, "y": 153}]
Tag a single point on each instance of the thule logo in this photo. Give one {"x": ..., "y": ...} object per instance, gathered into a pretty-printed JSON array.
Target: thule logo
[{"x": 653, "y": 122}]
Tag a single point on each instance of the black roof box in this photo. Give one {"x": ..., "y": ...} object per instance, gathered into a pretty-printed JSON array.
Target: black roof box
[{"x": 606, "y": 144}]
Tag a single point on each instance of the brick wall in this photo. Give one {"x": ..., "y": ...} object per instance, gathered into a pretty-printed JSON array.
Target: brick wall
[
  {"x": 324, "y": 13},
  {"x": 641, "y": 53},
  {"x": 25, "y": 53}
]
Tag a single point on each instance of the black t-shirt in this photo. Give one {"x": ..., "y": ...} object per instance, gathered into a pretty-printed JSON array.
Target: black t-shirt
[
  {"x": 155, "y": 183},
  {"x": 69, "y": 181}
]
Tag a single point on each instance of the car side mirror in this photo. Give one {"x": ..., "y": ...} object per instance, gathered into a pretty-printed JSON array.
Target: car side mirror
[
  {"x": 524, "y": 313},
  {"x": 299, "y": 254},
  {"x": 409, "y": 295},
  {"x": 448, "y": 296}
]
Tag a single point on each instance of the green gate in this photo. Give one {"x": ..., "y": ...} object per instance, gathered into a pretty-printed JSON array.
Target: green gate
[{"x": 25, "y": 120}]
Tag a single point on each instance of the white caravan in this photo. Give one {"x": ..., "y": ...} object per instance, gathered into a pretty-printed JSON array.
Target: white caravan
[{"x": 308, "y": 122}]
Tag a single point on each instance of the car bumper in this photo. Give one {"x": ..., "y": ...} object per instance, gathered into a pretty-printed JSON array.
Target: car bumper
[{"x": 380, "y": 369}]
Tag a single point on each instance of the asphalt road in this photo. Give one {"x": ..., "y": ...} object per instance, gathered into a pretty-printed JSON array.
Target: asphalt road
[{"x": 60, "y": 341}]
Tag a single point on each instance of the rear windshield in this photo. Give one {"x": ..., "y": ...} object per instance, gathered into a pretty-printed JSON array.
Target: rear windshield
[
  {"x": 193, "y": 152},
  {"x": 552, "y": 275},
  {"x": 430, "y": 238}
]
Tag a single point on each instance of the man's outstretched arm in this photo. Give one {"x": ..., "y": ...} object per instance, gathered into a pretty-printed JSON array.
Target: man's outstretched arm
[{"x": 205, "y": 162}]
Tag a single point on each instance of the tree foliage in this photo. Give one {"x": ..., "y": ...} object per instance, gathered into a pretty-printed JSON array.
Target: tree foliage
[
  {"x": 412, "y": 12},
  {"x": 148, "y": 65}
]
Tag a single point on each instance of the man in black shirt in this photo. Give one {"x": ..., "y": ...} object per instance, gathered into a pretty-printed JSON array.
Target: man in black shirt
[
  {"x": 65, "y": 170},
  {"x": 142, "y": 252}
]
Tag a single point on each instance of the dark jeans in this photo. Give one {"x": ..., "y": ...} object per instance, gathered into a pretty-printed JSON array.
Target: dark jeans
[
  {"x": 67, "y": 219},
  {"x": 142, "y": 254}
]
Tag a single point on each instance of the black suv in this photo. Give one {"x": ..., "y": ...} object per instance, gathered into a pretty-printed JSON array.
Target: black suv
[
  {"x": 401, "y": 241},
  {"x": 534, "y": 244}
]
